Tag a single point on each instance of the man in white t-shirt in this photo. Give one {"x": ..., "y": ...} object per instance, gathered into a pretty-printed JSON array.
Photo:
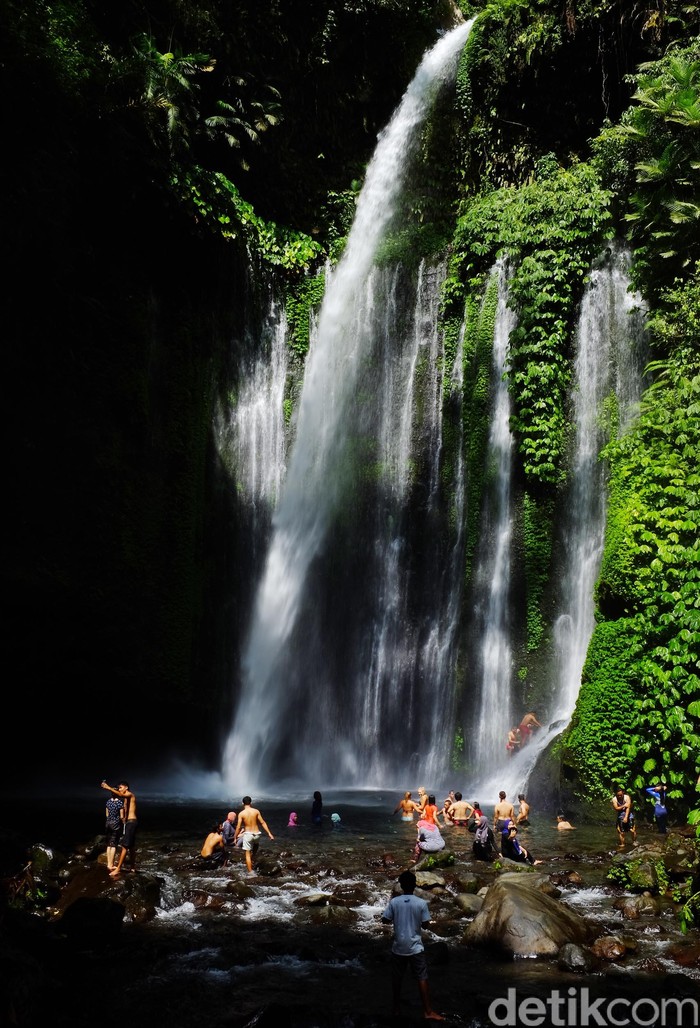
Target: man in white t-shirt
[{"x": 409, "y": 914}]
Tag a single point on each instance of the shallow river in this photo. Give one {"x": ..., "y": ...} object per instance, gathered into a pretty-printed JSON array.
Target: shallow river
[{"x": 227, "y": 962}]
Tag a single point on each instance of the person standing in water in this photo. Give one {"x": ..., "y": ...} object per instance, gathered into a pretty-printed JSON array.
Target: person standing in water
[
  {"x": 407, "y": 806},
  {"x": 317, "y": 809},
  {"x": 624, "y": 815},
  {"x": 128, "y": 839},
  {"x": 658, "y": 793},
  {"x": 249, "y": 824},
  {"x": 114, "y": 826},
  {"x": 409, "y": 914},
  {"x": 523, "y": 817},
  {"x": 503, "y": 814}
]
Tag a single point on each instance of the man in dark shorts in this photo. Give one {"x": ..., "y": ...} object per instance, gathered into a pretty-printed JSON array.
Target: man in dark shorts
[
  {"x": 622, "y": 805},
  {"x": 114, "y": 826},
  {"x": 128, "y": 840},
  {"x": 408, "y": 914}
]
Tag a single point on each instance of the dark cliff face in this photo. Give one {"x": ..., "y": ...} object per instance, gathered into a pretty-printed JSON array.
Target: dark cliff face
[{"x": 118, "y": 318}]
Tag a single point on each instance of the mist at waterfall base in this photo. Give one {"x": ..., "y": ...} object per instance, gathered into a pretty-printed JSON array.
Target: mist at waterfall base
[{"x": 348, "y": 677}]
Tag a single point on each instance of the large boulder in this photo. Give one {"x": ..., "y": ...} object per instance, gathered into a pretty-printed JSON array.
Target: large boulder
[{"x": 517, "y": 917}]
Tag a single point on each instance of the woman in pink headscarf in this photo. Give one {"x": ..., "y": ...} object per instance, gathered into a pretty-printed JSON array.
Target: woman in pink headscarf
[
  {"x": 292, "y": 823},
  {"x": 429, "y": 839}
]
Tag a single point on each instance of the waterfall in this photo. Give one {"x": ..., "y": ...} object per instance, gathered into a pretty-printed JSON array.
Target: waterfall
[
  {"x": 610, "y": 350},
  {"x": 311, "y": 706},
  {"x": 493, "y": 567},
  {"x": 251, "y": 440}
]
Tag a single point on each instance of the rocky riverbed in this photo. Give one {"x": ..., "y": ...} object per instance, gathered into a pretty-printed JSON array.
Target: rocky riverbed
[{"x": 300, "y": 942}]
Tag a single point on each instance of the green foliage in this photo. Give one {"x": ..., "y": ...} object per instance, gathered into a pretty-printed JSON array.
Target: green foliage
[
  {"x": 244, "y": 117},
  {"x": 619, "y": 875},
  {"x": 480, "y": 318},
  {"x": 550, "y": 230},
  {"x": 658, "y": 143},
  {"x": 457, "y": 759},
  {"x": 166, "y": 91},
  {"x": 651, "y": 565},
  {"x": 596, "y": 743},
  {"x": 301, "y": 301},
  {"x": 218, "y": 207},
  {"x": 537, "y": 521}
]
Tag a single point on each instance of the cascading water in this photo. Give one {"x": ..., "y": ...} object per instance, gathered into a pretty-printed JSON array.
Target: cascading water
[
  {"x": 311, "y": 706},
  {"x": 610, "y": 351},
  {"x": 252, "y": 440},
  {"x": 493, "y": 569}
]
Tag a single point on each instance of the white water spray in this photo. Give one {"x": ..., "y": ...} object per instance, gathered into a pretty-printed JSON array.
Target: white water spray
[
  {"x": 313, "y": 491},
  {"x": 609, "y": 361},
  {"x": 493, "y": 572}
]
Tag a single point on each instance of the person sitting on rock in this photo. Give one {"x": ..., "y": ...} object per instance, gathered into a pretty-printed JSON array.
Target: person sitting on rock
[
  {"x": 484, "y": 845},
  {"x": 511, "y": 848},
  {"x": 429, "y": 839}
]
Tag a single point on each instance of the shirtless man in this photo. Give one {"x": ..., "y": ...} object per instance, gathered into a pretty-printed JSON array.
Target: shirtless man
[
  {"x": 622, "y": 805},
  {"x": 502, "y": 814},
  {"x": 249, "y": 823},
  {"x": 407, "y": 807},
  {"x": 523, "y": 812},
  {"x": 213, "y": 849},
  {"x": 526, "y": 726},
  {"x": 460, "y": 810},
  {"x": 128, "y": 839}
]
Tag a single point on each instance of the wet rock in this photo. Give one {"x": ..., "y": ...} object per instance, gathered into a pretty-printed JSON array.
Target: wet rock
[
  {"x": 444, "y": 858},
  {"x": 92, "y": 922},
  {"x": 469, "y": 903},
  {"x": 268, "y": 867},
  {"x": 428, "y": 879},
  {"x": 465, "y": 882},
  {"x": 685, "y": 954},
  {"x": 352, "y": 895},
  {"x": 45, "y": 860},
  {"x": 609, "y": 947},
  {"x": 633, "y": 907},
  {"x": 519, "y": 918},
  {"x": 240, "y": 890},
  {"x": 328, "y": 914},
  {"x": 205, "y": 900},
  {"x": 314, "y": 899},
  {"x": 573, "y": 957}
]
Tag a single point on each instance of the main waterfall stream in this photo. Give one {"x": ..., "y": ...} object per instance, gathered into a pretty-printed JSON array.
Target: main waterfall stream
[{"x": 356, "y": 710}]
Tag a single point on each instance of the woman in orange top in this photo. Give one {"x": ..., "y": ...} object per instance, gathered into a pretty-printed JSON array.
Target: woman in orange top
[{"x": 431, "y": 812}]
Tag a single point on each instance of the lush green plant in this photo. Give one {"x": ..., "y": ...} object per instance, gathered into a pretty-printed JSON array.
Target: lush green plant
[
  {"x": 600, "y": 727},
  {"x": 648, "y": 585},
  {"x": 305, "y": 297},
  {"x": 537, "y": 513},
  {"x": 550, "y": 231},
  {"x": 218, "y": 207},
  {"x": 659, "y": 138}
]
